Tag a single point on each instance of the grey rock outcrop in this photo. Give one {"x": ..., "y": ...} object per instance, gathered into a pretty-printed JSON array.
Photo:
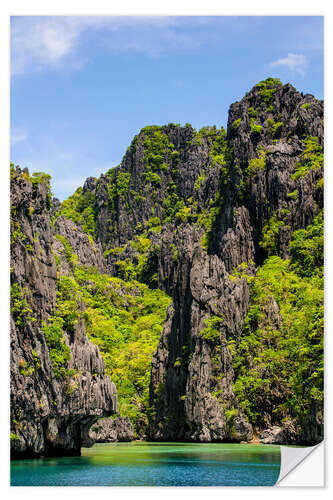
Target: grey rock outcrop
[
  {"x": 287, "y": 433},
  {"x": 274, "y": 435},
  {"x": 191, "y": 378},
  {"x": 109, "y": 430},
  {"x": 49, "y": 416}
]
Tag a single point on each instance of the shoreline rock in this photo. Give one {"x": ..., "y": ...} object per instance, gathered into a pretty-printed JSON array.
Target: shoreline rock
[{"x": 110, "y": 430}]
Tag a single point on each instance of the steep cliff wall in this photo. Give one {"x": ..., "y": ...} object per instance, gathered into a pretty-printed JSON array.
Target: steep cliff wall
[
  {"x": 271, "y": 187},
  {"x": 58, "y": 383}
]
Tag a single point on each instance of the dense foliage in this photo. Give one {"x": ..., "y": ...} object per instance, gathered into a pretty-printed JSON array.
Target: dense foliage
[
  {"x": 124, "y": 319},
  {"x": 19, "y": 306},
  {"x": 80, "y": 208},
  {"x": 278, "y": 359},
  {"x": 59, "y": 350},
  {"x": 159, "y": 180},
  {"x": 312, "y": 157},
  {"x": 267, "y": 89},
  {"x": 211, "y": 332},
  {"x": 278, "y": 363}
]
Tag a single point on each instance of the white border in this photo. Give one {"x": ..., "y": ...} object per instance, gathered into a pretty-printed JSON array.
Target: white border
[{"x": 98, "y": 7}]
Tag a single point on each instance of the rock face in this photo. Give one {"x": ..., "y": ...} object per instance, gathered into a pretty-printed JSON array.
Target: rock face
[
  {"x": 186, "y": 369},
  {"x": 109, "y": 430},
  {"x": 268, "y": 188},
  {"x": 274, "y": 435},
  {"x": 191, "y": 398},
  {"x": 203, "y": 201},
  {"x": 184, "y": 212},
  {"x": 129, "y": 196},
  {"x": 49, "y": 415}
]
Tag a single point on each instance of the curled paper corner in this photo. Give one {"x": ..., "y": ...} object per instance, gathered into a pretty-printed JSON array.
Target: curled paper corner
[{"x": 302, "y": 466}]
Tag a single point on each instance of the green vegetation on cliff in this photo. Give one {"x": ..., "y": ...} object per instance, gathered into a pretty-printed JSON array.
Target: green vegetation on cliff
[
  {"x": 278, "y": 363},
  {"x": 59, "y": 351},
  {"x": 307, "y": 249},
  {"x": 211, "y": 332},
  {"x": 80, "y": 208},
  {"x": 156, "y": 183},
  {"x": 36, "y": 179},
  {"x": 312, "y": 157},
  {"x": 267, "y": 89},
  {"x": 19, "y": 306},
  {"x": 124, "y": 319}
]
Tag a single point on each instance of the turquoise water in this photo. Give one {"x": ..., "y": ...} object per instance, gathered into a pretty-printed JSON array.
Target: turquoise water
[{"x": 155, "y": 464}]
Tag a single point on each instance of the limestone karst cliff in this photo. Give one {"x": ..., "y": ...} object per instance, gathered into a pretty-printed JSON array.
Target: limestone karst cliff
[
  {"x": 226, "y": 223},
  {"x": 58, "y": 382},
  {"x": 264, "y": 197}
]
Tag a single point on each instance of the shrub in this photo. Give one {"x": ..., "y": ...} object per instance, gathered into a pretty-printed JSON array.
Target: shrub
[
  {"x": 269, "y": 82},
  {"x": 211, "y": 332},
  {"x": 70, "y": 256},
  {"x": 59, "y": 351},
  {"x": 279, "y": 367},
  {"x": 14, "y": 437},
  {"x": 126, "y": 269},
  {"x": 276, "y": 129},
  {"x": 12, "y": 170},
  {"x": 270, "y": 235},
  {"x": 199, "y": 181},
  {"x": 178, "y": 363},
  {"x": 253, "y": 113},
  {"x": 80, "y": 208},
  {"x": 20, "y": 309},
  {"x": 114, "y": 251},
  {"x": 41, "y": 177},
  {"x": 123, "y": 180},
  {"x": 268, "y": 88},
  {"x": 257, "y": 163},
  {"x": 174, "y": 252},
  {"x": 182, "y": 214},
  {"x": 307, "y": 249},
  {"x": 25, "y": 369},
  {"x": 312, "y": 157},
  {"x": 16, "y": 234},
  {"x": 153, "y": 177},
  {"x": 236, "y": 124},
  {"x": 30, "y": 211},
  {"x": 255, "y": 128}
]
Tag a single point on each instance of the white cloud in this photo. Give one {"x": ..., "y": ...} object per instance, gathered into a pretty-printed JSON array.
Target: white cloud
[
  {"x": 17, "y": 136},
  {"x": 42, "y": 42},
  {"x": 295, "y": 62},
  {"x": 39, "y": 43}
]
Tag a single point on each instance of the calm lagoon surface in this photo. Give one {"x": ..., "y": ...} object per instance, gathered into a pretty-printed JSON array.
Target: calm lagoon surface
[{"x": 155, "y": 464}]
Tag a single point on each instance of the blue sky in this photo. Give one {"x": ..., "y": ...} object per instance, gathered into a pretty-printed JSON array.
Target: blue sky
[{"x": 82, "y": 87}]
